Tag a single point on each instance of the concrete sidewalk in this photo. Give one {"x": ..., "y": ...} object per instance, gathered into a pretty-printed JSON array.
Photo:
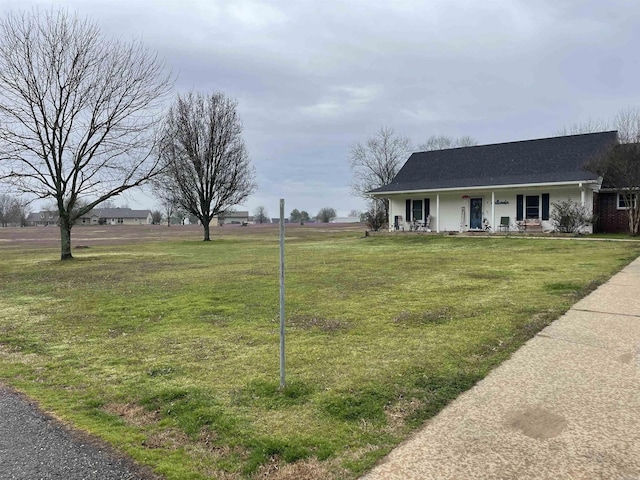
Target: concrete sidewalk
[{"x": 564, "y": 406}]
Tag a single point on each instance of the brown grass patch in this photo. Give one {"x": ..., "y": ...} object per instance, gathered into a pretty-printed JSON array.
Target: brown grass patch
[
  {"x": 133, "y": 414},
  {"x": 436, "y": 316},
  {"x": 169, "y": 439},
  {"x": 309, "y": 469},
  {"x": 398, "y": 413},
  {"x": 309, "y": 322}
]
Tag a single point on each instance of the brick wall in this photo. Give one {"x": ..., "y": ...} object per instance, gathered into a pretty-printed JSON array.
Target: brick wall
[{"x": 610, "y": 219}]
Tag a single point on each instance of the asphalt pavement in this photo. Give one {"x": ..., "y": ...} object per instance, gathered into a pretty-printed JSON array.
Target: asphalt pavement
[{"x": 34, "y": 446}]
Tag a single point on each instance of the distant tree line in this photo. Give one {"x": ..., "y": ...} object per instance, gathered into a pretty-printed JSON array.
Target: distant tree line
[
  {"x": 13, "y": 211},
  {"x": 325, "y": 215},
  {"x": 297, "y": 216}
]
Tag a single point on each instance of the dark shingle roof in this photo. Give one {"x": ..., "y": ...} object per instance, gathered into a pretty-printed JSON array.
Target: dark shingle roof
[
  {"x": 546, "y": 160},
  {"x": 118, "y": 213},
  {"x": 42, "y": 216}
]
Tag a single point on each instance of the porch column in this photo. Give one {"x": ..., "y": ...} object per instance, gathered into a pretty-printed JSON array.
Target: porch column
[
  {"x": 493, "y": 211},
  {"x": 438, "y": 213},
  {"x": 582, "y": 195}
]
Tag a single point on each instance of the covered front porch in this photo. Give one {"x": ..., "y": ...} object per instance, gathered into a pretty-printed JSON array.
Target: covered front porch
[{"x": 477, "y": 209}]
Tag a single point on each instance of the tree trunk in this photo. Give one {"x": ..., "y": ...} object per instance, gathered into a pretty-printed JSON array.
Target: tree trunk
[
  {"x": 65, "y": 240},
  {"x": 205, "y": 225},
  {"x": 634, "y": 219}
]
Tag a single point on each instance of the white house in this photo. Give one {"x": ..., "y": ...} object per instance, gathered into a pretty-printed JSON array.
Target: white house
[
  {"x": 115, "y": 216},
  {"x": 97, "y": 216},
  {"x": 231, "y": 218},
  {"x": 345, "y": 220},
  {"x": 469, "y": 188}
]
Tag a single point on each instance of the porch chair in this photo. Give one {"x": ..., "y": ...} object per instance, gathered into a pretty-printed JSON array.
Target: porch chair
[
  {"x": 427, "y": 223},
  {"x": 504, "y": 223}
]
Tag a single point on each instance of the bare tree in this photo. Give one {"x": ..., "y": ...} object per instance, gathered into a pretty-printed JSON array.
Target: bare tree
[
  {"x": 13, "y": 210},
  {"x": 620, "y": 169},
  {"x": 374, "y": 218},
  {"x": 156, "y": 217},
  {"x": 203, "y": 156},
  {"x": 7, "y": 204},
  {"x": 326, "y": 214},
  {"x": 260, "y": 215},
  {"x": 442, "y": 142},
  {"x": 20, "y": 212},
  {"x": 376, "y": 162},
  {"x": 168, "y": 201},
  {"x": 627, "y": 123},
  {"x": 590, "y": 125},
  {"x": 169, "y": 210},
  {"x": 619, "y": 166},
  {"x": 76, "y": 112}
]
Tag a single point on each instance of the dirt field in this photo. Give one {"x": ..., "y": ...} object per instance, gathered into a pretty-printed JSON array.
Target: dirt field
[{"x": 39, "y": 237}]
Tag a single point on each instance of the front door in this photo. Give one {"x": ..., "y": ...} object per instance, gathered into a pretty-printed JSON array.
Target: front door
[{"x": 475, "y": 214}]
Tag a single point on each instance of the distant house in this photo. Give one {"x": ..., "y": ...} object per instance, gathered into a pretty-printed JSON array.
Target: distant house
[
  {"x": 101, "y": 216},
  {"x": 470, "y": 188},
  {"x": 43, "y": 218},
  {"x": 345, "y": 220},
  {"x": 116, "y": 216},
  {"x": 231, "y": 218}
]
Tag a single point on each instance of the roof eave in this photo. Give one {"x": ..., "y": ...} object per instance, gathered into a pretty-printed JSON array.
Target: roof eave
[{"x": 487, "y": 187}]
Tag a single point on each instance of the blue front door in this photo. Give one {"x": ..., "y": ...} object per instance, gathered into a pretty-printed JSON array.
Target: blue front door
[{"x": 475, "y": 214}]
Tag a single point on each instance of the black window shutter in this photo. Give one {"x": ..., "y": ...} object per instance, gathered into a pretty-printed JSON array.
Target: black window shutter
[
  {"x": 520, "y": 207},
  {"x": 427, "y": 208},
  {"x": 408, "y": 212},
  {"x": 545, "y": 206}
]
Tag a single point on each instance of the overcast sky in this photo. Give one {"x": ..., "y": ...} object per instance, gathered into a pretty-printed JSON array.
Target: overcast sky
[{"x": 314, "y": 77}]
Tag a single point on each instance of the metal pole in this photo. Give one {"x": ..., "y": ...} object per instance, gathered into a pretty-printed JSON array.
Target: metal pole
[{"x": 282, "y": 380}]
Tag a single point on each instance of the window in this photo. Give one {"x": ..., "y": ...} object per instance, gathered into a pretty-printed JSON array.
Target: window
[
  {"x": 532, "y": 206},
  {"x": 416, "y": 211},
  {"x": 120, "y": 221},
  {"x": 622, "y": 202}
]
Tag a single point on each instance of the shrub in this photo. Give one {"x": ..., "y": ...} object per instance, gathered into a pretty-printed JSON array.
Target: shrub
[
  {"x": 568, "y": 216},
  {"x": 375, "y": 220}
]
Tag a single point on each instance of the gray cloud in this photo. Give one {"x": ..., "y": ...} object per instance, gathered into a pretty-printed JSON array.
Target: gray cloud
[{"x": 313, "y": 77}]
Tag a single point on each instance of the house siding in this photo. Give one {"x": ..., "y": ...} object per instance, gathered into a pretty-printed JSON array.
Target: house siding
[
  {"x": 609, "y": 218},
  {"x": 455, "y": 206}
]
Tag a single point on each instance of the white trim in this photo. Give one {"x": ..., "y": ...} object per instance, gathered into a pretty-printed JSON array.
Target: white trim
[
  {"x": 493, "y": 210},
  {"x": 635, "y": 202},
  {"x": 438, "y": 212},
  {"x": 485, "y": 187},
  {"x": 615, "y": 190}
]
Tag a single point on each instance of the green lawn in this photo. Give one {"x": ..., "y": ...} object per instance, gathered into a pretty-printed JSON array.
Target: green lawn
[{"x": 169, "y": 350}]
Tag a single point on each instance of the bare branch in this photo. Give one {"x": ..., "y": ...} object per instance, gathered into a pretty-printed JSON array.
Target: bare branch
[
  {"x": 442, "y": 142},
  {"x": 376, "y": 162},
  {"x": 77, "y": 112},
  {"x": 206, "y": 169}
]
